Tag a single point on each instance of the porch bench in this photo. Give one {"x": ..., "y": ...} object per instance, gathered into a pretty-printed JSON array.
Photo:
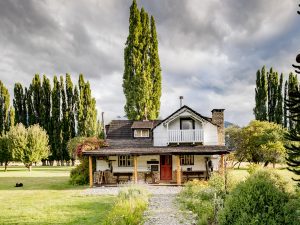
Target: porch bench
[
  {"x": 120, "y": 174},
  {"x": 194, "y": 174}
]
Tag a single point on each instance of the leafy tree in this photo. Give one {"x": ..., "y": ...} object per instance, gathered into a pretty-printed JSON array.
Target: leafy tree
[
  {"x": 28, "y": 145},
  {"x": 4, "y": 109},
  {"x": 261, "y": 199},
  {"x": 5, "y": 151},
  {"x": 259, "y": 142},
  {"x": 19, "y": 103},
  {"x": 272, "y": 94},
  {"x": 155, "y": 72},
  {"x": 285, "y": 112},
  {"x": 279, "y": 104},
  {"x": 87, "y": 113},
  {"x": 234, "y": 141},
  {"x": 56, "y": 121},
  {"x": 260, "y": 110},
  {"x": 142, "y": 77}
]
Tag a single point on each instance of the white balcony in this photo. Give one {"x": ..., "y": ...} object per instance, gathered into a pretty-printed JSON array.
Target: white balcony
[{"x": 185, "y": 136}]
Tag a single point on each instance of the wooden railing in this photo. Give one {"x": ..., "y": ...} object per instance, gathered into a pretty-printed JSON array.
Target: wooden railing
[{"x": 185, "y": 136}]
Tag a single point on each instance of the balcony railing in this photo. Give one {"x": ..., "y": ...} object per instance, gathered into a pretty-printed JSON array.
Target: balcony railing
[{"x": 185, "y": 136}]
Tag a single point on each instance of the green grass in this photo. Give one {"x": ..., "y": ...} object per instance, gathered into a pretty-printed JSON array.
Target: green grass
[{"x": 48, "y": 198}]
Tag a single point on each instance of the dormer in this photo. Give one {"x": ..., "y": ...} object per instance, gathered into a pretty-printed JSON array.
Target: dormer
[{"x": 142, "y": 129}]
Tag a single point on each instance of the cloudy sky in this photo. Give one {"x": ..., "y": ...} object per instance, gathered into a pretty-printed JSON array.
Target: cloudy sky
[{"x": 210, "y": 50}]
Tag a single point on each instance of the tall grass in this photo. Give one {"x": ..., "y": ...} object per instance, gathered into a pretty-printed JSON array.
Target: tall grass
[{"x": 129, "y": 208}]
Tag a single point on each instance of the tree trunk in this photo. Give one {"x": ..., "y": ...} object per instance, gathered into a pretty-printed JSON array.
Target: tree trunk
[
  {"x": 274, "y": 165},
  {"x": 44, "y": 163},
  {"x": 5, "y": 166},
  {"x": 73, "y": 162},
  {"x": 266, "y": 164},
  {"x": 1, "y": 163},
  {"x": 62, "y": 163},
  {"x": 239, "y": 165},
  {"x": 57, "y": 163}
]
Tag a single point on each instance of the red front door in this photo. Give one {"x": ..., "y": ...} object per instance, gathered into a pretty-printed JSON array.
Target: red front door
[{"x": 166, "y": 167}]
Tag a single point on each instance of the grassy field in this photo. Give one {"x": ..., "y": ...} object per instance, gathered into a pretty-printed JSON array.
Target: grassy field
[{"x": 48, "y": 198}]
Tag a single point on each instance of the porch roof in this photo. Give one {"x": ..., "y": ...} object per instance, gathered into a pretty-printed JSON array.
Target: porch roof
[{"x": 180, "y": 150}]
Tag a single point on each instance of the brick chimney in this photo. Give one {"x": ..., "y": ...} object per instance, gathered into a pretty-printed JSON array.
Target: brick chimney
[{"x": 218, "y": 119}]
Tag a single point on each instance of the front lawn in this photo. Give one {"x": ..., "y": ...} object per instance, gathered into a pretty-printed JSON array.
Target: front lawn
[{"x": 48, "y": 198}]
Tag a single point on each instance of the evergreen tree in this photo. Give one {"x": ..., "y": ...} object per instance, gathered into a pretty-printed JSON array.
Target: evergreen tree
[
  {"x": 279, "y": 106},
  {"x": 4, "y": 109},
  {"x": 155, "y": 72},
  {"x": 64, "y": 122},
  {"x": 293, "y": 149},
  {"x": 260, "y": 110},
  {"x": 141, "y": 78},
  {"x": 19, "y": 104}
]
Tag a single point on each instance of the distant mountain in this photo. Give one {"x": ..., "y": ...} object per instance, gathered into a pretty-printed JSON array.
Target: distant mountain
[{"x": 228, "y": 124}]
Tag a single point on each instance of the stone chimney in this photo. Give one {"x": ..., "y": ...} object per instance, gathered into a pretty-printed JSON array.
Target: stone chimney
[{"x": 218, "y": 119}]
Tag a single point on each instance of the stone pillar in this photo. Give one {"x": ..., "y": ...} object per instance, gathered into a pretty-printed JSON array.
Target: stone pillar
[
  {"x": 91, "y": 171},
  {"x": 218, "y": 119}
]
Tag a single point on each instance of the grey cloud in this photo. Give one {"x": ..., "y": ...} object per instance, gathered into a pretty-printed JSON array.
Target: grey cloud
[{"x": 209, "y": 50}]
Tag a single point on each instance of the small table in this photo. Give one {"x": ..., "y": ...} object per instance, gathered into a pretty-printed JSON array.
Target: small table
[{"x": 118, "y": 175}]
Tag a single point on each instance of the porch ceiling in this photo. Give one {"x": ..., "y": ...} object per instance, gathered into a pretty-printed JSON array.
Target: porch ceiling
[{"x": 197, "y": 150}]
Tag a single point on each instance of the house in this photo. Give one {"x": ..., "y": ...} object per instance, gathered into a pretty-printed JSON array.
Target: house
[{"x": 183, "y": 146}]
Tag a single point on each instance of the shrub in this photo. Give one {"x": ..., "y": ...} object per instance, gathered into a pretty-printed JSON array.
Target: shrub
[
  {"x": 252, "y": 168},
  {"x": 204, "y": 198},
  {"x": 261, "y": 199},
  {"x": 80, "y": 174},
  {"x": 129, "y": 208}
]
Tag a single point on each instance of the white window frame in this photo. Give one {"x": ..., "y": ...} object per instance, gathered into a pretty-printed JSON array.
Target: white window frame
[
  {"x": 125, "y": 161},
  {"x": 138, "y": 133},
  {"x": 187, "y": 160}
]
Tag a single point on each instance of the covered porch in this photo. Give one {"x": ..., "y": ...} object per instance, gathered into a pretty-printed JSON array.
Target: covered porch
[{"x": 155, "y": 165}]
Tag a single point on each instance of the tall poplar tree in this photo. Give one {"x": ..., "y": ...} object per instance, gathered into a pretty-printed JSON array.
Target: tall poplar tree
[
  {"x": 260, "y": 110},
  {"x": 292, "y": 87},
  {"x": 285, "y": 111},
  {"x": 272, "y": 94},
  {"x": 142, "y": 77},
  {"x": 279, "y": 103},
  {"x": 19, "y": 103},
  {"x": 155, "y": 72},
  {"x": 36, "y": 95},
  {"x": 4, "y": 109},
  {"x": 56, "y": 121}
]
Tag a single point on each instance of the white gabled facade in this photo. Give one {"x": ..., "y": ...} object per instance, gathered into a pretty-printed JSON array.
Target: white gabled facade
[{"x": 169, "y": 131}]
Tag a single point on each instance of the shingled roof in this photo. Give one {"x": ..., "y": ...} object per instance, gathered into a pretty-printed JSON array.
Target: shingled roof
[
  {"x": 122, "y": 129},
  {"x": 196, "y": 150},
  {"x": 142, "y": 124}
]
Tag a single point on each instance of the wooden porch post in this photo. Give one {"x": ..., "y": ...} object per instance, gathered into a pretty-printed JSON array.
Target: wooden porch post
[
  {"x": 91, "y": 171},
  {"x": 178, "y": 170},
  {"x": 221, "y": 169},
  {"x": 135, "y": 175}
]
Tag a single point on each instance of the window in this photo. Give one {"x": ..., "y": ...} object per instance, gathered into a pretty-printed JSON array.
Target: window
[
  {"x": 141, "y": 133},
  {"x": 187, "y": 124},
  {"x": 187, "y": 160},
  {"x": 125, "y": 161}
]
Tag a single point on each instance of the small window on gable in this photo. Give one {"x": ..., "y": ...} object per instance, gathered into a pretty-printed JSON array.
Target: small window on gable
[
  {"x": 141, "y": 133},
  {"x": 187, "y": 160}
]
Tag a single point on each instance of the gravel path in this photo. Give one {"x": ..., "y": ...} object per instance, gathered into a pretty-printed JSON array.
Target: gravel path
[{"x": 163, "y": 208}]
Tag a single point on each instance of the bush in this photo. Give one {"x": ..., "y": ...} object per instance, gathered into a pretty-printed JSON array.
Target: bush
[
  {"x": 129, "y": 209},
  {"x": 204, "y": 198},
  {"x": 80, "y": 174},
  {"x": 261, "y": 199}
]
